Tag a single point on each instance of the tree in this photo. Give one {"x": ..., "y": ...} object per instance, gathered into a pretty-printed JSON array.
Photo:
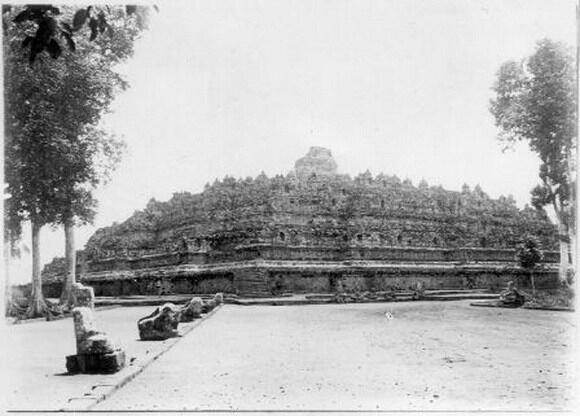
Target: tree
[
  {"x": 529, "y": 255},
  {"x": 56, "y": 155},
  {"x": 51, "y": 31},
  {"x": 90, "y": 159},
  {"x": 535, "y": 102}
]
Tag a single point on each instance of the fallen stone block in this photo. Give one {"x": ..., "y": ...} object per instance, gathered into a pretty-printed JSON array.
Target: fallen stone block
[
  {"x": 161, "y": 324},
  {"x": 511, "y": 297},
  {"x": 96, "y": 363},
  {"x": 192, "y": 310},
  {"x": 218, "y": 298},
  {"x": 208, "y": 306}
]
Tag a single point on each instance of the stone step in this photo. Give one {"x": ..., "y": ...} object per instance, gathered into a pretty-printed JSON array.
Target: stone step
[
  {"x": 254, "y": 295},
  {"x": 245, "y": 288},
  {"x": 462, "y": 296},
  {"x": 454, "y": 291}
]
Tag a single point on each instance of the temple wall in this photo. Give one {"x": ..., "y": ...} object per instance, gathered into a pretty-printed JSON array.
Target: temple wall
[
  {"x": 163, "y": 285},
  {"x": 312, "y": 253},
  {"x": 313, "y": 277},
  {"x": 312, "y": 282}
]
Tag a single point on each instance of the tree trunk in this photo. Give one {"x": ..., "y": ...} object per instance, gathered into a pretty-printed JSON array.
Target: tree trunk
[
  {"x": 573, "y": 244},
  {"x": 70, "y": 261},
  {"x": 37, "y": 305},
  {"x": 7, "y": 284},
  {"x": 564, "y": 253},
  {"x": 533, "y": 283}
]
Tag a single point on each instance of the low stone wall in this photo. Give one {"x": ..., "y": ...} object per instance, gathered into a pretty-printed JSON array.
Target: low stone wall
[
  {"x": 275, "y": 277},
  {"x": 311, "y": 253},
  {"x": 298, "y": 282},
  {"x": 162, "y": 285}
]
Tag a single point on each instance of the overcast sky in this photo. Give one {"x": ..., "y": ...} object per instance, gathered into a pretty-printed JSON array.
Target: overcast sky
[{"x": 234, "y": 87}]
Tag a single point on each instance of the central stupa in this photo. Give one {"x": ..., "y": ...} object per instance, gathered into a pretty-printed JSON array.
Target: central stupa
[{"x": 318, "y": 161}]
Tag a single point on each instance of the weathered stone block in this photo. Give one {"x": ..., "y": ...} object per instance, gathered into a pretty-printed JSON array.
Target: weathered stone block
[
  {"x": 161, "y": 324},
  {"x": 208, "y": 306},
  {"x": 89, "y": 339},
  {"x": 96, "y": 363},
  {"x": 192, "y": 310},
  {"x": 218, "y": 298},
  {"x": 511, "y": 297},
  {"x": 83, "y": 295},
  {"x": 96, "y": 352}
]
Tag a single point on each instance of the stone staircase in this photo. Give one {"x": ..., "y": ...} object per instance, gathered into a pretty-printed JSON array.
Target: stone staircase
[{"x": 253, "y": 286}]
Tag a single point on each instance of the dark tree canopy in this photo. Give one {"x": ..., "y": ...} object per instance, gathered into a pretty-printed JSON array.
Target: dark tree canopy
[
  {"x": 529, "y": 252},
  {"x": 50, "y": 29}
]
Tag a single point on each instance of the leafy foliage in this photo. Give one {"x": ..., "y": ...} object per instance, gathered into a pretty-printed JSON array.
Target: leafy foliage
[
  {"x": 55, "y": 154},
  {"x": 55, "y": 271},
  {"x": 536, "y": 102},
  {"x": 529, "y": 252},
  {"x": 49, "y": 28}
]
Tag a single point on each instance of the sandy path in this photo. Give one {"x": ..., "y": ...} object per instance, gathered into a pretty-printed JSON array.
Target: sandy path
[{"x": 431, "y": 356}]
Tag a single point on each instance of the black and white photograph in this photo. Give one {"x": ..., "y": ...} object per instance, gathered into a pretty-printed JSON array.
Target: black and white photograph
[{"x": 290, "y": 207}]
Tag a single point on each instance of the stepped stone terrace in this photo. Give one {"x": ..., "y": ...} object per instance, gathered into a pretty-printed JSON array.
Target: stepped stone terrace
[{"x": 316, "y": 230}]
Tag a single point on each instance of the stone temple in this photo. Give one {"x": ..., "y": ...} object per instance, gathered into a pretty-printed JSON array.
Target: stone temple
[{"x": 315, "y": 230}]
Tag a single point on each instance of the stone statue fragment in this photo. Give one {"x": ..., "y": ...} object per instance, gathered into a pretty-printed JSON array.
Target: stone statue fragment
[
  {"x": 161, "y": 324},
  {"x": 96, "y": 352},
  {"x": 191, "y": 310}
]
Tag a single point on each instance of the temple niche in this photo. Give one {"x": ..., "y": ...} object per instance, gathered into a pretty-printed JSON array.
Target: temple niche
[{"x": 312, "y": 214}]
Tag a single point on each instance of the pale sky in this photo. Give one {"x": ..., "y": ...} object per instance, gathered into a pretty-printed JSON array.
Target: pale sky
[{"x": 234, "y": 87}]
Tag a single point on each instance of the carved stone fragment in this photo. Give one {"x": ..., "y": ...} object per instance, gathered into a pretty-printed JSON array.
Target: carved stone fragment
[
  {"x": 96, "y": 352},
  {"x": 83, "y": 295},
  {"x": 191, "y": 310},
  {"x": 161, "y": 324}
]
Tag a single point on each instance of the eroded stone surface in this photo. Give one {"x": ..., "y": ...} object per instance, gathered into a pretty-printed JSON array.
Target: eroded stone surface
[
  {"x": 191, "y": 310},
  {"x": 317, "y": 231},
  {"x": 511, "y": 297},
  {"x": 219, "y": 298},
  {"x": 208, "y": 306},
  {"x": 96, "y": 352},
  {"x": 318, "y": 161},
  {"x": 161, "y": 324},
  {"x": 96, "y": 363},
  {"x": 83, "y": 295},
  {"x": 89, "y": 339}
]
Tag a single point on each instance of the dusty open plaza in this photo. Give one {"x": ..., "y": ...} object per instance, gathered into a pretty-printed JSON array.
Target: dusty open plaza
[
  {"x": 427, "y": 356},
  {"x": 376, "y": 356},
  {"x": 240, "y": 207}
]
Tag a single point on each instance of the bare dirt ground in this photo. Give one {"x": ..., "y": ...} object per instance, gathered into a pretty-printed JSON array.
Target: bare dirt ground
[
  {"x": 428, "y": 356},
  {"x": 32, "y": 360}
]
